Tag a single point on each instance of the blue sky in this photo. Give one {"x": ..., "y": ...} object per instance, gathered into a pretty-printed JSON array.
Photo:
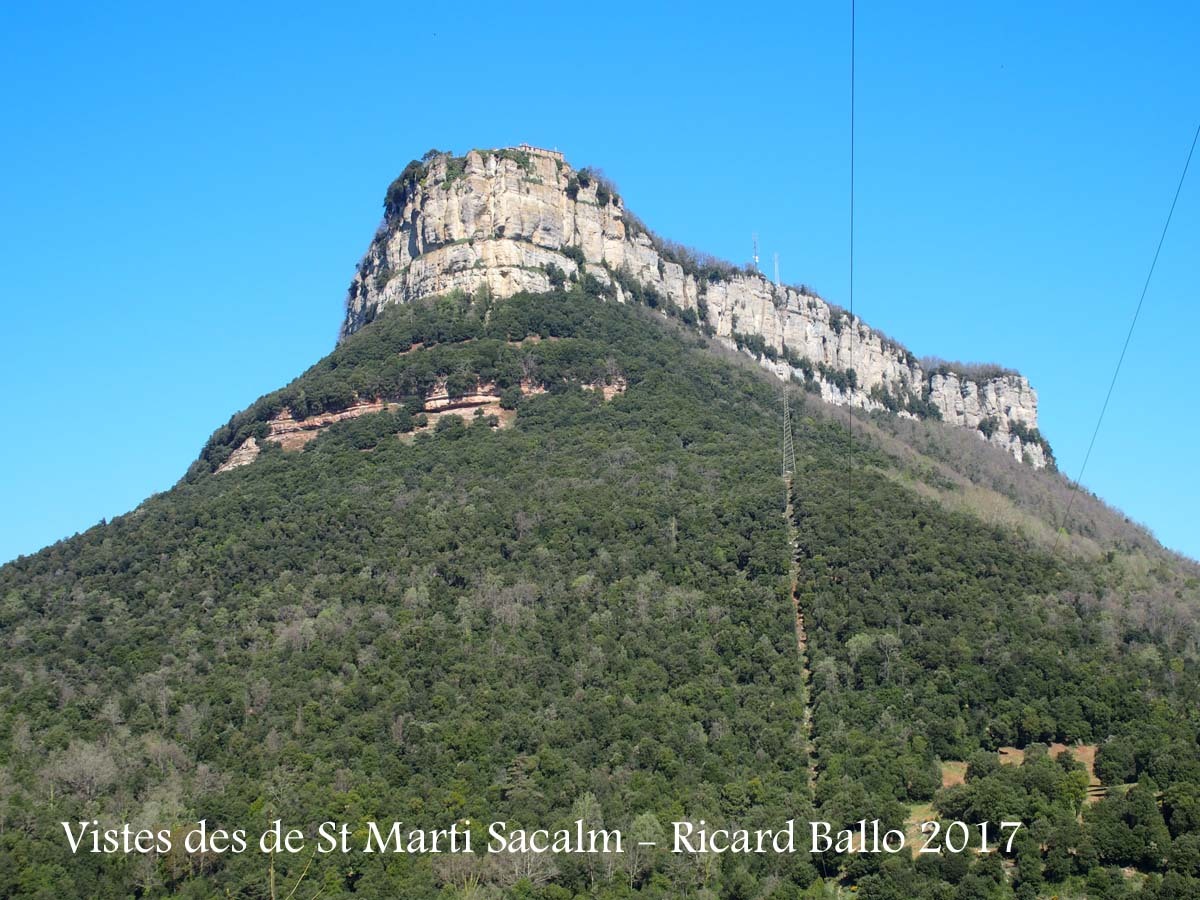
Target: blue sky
[{"x": 186, "y": 192}]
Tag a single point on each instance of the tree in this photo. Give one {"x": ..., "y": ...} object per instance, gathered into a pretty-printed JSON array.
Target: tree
[
  {"x": 1115, "y": 762},
  {"x": 645, "y": 834}
]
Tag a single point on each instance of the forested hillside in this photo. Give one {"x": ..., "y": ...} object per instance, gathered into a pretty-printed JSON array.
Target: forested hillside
[{"x": 586, "y": 613}]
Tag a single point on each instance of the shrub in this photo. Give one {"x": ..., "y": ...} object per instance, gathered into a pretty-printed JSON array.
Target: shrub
[
  {"x": 756, "y": 344},
  {"x": 456, "y": 167},
  {"x": 605, "y": 189},
  {"x": 520, "y": 157},
  {"x": 935, "y": 365},
  {"x": 574, "y": 253},
  {"x": 398, "y": 191},
  {"x": 450, "y": 423},
  {"x": 843, "y": 379},
  {"x": 1032, "y": 436},
  {"x": 510, "y": 398}
]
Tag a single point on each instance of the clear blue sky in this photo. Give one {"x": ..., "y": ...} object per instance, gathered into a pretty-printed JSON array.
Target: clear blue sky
[{"x": 186, "y": 192}]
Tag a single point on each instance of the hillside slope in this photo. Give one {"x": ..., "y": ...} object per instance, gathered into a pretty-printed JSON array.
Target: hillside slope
[{"x": 575, "y": 604}]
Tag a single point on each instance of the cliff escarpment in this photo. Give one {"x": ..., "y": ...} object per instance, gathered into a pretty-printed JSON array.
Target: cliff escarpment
[{"x": 514, "y": 220}]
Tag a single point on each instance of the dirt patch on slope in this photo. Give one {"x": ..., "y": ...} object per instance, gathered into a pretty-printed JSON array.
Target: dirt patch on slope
[{"x": 954, "y": 771}]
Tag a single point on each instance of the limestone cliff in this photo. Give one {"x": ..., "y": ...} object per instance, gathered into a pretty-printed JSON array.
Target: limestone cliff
[{"x": 522, "y": 220}]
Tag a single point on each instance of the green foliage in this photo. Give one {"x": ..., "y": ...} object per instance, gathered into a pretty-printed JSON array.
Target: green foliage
[
  {"x": 702, "y": 266},
  {"x": 1032, "y": 436},
  {"x": 400, "y": 189},
  {"x": 466, "y": 341},
  {"x": 606, "y": 191},
  {"x": 906, "y": 399},
  {"x": 1116, "y": 761},
  {"x": 584, "y": 614},
  {"x": 510, "y": 398},
  {"x": 520, "y": 157},
  {"x": 843, "y": 379},
  {"x": 367, "y": 432},
  {"x": 934, "y": 365},
  {"x": 1128, "y": 829},
  {"x": 929, "y": 640},
  {"x": 456, "y": 167},
  {"x": 1042, "y": 788},
  {"x": 469, "y": 625},
  {"x": 756, "y": 345},
  {"x": 575, "y": 253}
]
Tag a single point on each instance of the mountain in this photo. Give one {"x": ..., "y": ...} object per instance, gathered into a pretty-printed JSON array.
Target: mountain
[
  {"x": 521, "y": 219},
  {"x": 535, "y": 556}
]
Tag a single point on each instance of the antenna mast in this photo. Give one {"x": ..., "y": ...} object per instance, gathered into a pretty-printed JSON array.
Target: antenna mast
[{"x": 754, "y": 237}]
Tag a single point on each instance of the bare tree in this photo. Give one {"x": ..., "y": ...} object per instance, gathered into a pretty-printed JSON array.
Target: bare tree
[{"x": 85, "y": 769}]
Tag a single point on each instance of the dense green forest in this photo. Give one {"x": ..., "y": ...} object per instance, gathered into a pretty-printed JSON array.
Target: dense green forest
[
  {"x": 588, "y": 615},
  {"x": 935, "y": 637}
]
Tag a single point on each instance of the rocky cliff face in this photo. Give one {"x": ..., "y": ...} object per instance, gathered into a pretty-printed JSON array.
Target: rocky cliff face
[{"x": 522, "y": 220}]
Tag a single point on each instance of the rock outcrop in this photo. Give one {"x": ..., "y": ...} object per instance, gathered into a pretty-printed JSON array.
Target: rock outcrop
[
  {"x": 291, "y": 433},
  {"x": 523, "y": 220},
  {"x": 246, "y": 453}
]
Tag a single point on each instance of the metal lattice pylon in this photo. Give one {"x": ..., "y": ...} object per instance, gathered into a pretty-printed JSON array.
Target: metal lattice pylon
[{"x": 789, "y": 448}]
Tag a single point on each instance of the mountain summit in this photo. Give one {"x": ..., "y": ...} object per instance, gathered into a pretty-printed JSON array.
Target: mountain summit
[{"x": 522, "y": 219}]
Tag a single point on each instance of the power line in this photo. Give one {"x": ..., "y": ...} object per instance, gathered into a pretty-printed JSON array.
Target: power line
[
  {"x": 1129, "y": 335},
  {"x": 853, "y": 327}
]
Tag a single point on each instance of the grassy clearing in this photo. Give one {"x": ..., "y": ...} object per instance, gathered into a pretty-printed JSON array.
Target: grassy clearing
[
  {"x": 918, "y": 814},
  {"x": 954, "y": 771}
]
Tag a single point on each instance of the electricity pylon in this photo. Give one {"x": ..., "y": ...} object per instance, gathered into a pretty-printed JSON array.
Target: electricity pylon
[{"x": 789, "y": 448}]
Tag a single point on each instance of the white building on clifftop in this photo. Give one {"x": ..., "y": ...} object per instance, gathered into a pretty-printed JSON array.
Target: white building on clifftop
[{"x": 541, "y": 151}]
